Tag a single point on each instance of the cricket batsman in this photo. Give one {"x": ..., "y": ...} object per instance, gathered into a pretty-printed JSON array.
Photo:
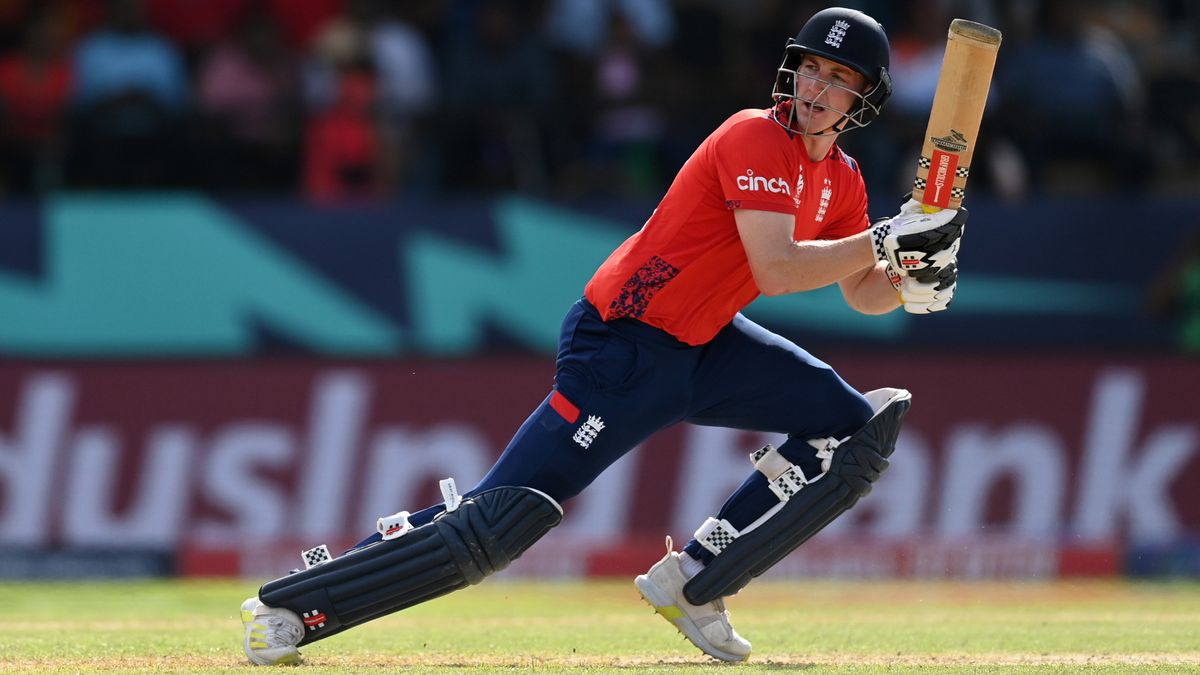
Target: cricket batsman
[{"x": 768, "y": 204}]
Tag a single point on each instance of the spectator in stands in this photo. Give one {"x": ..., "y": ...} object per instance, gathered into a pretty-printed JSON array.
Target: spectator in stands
[
  {"x": 407, "y": 79},
  {"x": 918, "y": 45},
  {"x": 1164, "y": 41},
  {"x": 917, "y": 51},
  {"x": 382, "y": 37},
  {"x": 248, "y": 94},
  {"x": 341, "y": 145},
  {"x": 124, "y": 57},
  {"x": 130, "y": 97},
  {"x": 627, "y": 124},
  {"x": 403, "y": 61},
  {"x": 34, "y": 84},
  {"x": 342, "y": 152},
  {"x": 1070, "y": 73},
  {"x": 581, "y": 26},
  {"x": 499, "y": 89},
  {"x": 1073, "y": 101}
]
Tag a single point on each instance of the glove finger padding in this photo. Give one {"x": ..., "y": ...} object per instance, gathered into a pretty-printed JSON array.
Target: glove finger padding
[
  {"x": 921, "y": 298},
  {"x": 919, "y": 244},
  {"x": 919, "y": 251},
  {"x": 943, "y": 278},
  {"x": 932, "y": 293}
]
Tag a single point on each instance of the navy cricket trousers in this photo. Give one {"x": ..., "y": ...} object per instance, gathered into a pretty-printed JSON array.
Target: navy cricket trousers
[{"x": 619, "y": 382}]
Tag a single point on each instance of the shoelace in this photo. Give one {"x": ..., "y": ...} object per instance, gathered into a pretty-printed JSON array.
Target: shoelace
[
  {"x": 280, "y": 633},
  {"x": 719, "y": 604}
]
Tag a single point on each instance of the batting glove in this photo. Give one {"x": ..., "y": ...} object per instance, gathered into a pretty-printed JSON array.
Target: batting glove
[
  {"x": 926, "y": 297},
  {"x": 918, "y": 244}
]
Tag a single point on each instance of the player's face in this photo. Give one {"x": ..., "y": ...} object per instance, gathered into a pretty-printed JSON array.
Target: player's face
[{"x": 825, "y": 91}]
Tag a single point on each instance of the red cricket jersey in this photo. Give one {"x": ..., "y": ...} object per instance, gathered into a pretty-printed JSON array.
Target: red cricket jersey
[{"x": 686, "y": 271}]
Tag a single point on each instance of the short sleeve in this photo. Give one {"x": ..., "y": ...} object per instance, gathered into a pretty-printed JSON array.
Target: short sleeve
[{"x": 754, "y": 166}]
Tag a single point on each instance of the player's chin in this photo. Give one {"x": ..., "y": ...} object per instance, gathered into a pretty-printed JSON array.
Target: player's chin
[{"x": 821, "y": 125}]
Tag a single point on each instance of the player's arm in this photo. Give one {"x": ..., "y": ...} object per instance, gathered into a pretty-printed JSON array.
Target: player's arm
[
  {"x": 869, "y": 291},
  {"x": 782, "y": 265}
]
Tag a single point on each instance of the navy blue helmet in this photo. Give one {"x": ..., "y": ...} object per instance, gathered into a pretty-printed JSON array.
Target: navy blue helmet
[{"x": 848, "y": 37}]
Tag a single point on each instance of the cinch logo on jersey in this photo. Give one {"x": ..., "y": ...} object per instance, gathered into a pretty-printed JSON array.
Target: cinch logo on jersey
[
  {"x": 754, "y": 183},
  {"x": 837, "y": 33}
]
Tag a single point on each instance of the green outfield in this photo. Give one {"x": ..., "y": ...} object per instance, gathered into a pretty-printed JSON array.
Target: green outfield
[{"x": 603, "y": 627}]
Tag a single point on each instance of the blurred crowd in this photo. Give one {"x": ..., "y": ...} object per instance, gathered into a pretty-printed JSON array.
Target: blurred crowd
[{"x": 351, "y": 99}]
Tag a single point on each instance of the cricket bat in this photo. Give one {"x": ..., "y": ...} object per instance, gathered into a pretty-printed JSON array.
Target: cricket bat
[{"x": 950, "y": 138}]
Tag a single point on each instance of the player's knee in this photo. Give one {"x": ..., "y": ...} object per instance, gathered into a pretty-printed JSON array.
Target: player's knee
[
  {"x": 859, "y": 411},
  {"x": 860, "y": 467},
  {"x": 849, "y": 409}
]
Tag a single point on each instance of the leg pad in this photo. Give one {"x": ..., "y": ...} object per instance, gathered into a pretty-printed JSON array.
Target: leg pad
[
  {"x": 856, "y": 465},
  {"x": 459, "y": 548}
]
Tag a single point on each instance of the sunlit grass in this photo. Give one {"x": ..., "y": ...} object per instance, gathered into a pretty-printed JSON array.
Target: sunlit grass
[{"x": 599, "y": 627}]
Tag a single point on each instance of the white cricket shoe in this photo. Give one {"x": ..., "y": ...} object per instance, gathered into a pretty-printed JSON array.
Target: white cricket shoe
[
  {"x": 272, "y": 634},
  {"x": 706, "y": 626}
]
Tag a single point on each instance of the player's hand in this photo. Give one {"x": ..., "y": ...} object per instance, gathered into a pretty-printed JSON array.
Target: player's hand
[
  {"x": 918, "y": 244},
  {"x": 926, "y": 297}
]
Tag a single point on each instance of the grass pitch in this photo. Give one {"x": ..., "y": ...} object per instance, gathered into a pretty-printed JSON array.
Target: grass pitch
[{"x": 604, "y": 627}]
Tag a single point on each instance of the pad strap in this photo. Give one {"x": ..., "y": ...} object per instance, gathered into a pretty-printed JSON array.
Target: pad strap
[
  {"x": 450, "y": 494},
  {"x": 393, "y": 526},
  {"x": 825, "y": 448},
  {"x": 715, "y": 535},
  {"x": 317, "y": 555},
  {"x": 784, "y": 478}
]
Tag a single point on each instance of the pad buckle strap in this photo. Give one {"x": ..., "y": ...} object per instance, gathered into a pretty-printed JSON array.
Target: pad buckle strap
[
  {"x": 450, "y": 494},
  {"x": 393, "y": 526},
  {"x": 825, "y": 448},
  {"x": 317, "y": 555},
  {"x": 784, "y": 478},
  {"x": 715, "y": 535}
]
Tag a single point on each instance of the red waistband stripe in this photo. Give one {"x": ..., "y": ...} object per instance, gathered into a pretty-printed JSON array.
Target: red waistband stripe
[{"x": 564, "y": 407}]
